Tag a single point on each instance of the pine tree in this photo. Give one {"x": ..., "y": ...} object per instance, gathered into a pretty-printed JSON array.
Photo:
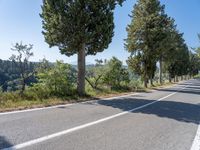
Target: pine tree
[
  {"x": 145, "y": 35},
  {"x": 83, "y": 27},
  {"x": 166, "y": 44},
  {"x": 177, "y": 59}
]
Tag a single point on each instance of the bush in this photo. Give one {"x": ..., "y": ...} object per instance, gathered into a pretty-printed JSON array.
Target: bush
[
  {"x": 135, "y": 85},
  {"x": 197, "y": 76},
  {"x": 115, "y": 74},
  {"x": 37, "y": 92},
  {"x": 57, "y": 80}
]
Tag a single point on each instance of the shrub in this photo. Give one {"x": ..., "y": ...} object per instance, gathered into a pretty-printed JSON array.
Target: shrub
[
  {"x": 135, "y": 85},
  {"x": 57, "y": 80},
  {"x": 115, "y": 74}
]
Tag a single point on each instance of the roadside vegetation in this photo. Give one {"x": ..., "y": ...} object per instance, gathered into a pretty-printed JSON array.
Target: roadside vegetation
[{"x": 159, "y": 56}]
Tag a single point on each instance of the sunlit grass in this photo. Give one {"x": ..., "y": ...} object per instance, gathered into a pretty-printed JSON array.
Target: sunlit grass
[{"x": 14, "y": 101}]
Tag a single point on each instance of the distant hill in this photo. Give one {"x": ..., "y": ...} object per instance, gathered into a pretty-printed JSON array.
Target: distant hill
[{"x": 9, "y": 73}]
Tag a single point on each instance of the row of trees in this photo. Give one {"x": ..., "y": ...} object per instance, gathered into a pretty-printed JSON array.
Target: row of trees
[
  {"x": 153, "y": 37},
  {"x": 86, "y": 27},
  {"x": 10, "y": 75},
  {"x": 59, "y": 79}
]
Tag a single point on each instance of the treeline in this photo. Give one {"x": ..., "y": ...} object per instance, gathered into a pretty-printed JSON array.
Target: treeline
[
  {"x": 154, "y": 42},
  {"x": 60, "y": 79},
  {"x": 10, "y": 75},
  {"x": 153, "y": 38}
]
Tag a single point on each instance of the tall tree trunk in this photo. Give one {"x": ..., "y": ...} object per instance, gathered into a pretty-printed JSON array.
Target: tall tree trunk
[
  {"x": 145, "y": 75},
  {"x": 145, "y": 83},
  {"x": 177, "y": 79},
  {"x": 170, "y": 78},
  {"x": 23, "y": 86},
  {"x": 151, "y": 80},
  {"x": 181, "y": 78},
  {"x": 81, "y": 71},
  {"x": 160, "y": 71}
]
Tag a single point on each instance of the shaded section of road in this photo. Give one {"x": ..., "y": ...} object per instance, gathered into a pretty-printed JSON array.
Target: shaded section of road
[
  {"x": 165, "y": 125},
  {"x": 194, "y": 88},
  {"x": 170, "y": 124},
  {"x": 181, "y": 111},
  {"x": 23, "y": 127},
  {"x": 5, "y": 142}
]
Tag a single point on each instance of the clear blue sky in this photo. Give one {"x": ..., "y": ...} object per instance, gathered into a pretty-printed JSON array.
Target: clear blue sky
[{"x": 20, "y": 21}]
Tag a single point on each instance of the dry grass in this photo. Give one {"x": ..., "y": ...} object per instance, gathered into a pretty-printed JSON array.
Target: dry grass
[{"x": 13, "y": 101}]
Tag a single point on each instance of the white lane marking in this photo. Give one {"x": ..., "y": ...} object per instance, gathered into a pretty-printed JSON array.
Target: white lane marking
[
  {"x": 64, "y": 105},
  {"x": 33, "y": 109},
  {"x": 196, "y": 142},
  {"x": 48, "y": 137}
]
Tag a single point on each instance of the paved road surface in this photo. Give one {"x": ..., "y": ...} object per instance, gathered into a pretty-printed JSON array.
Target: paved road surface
[{"x": 165, "y": 119}]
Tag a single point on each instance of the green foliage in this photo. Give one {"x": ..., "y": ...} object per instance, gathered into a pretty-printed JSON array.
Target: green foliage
[
  {"x": 198, "y": 49},
  {"x": 115, "y": 73},
  {"x": 177, "y": 61},
  {"x": 95, "y": 74},
  {"x": 10, "y": 74},
  {"x": 58, "y": 80},
  {"x": 21, "y": 59},
  {"x": 135, "y": 85},
  {"x": 67, "y": 24},
  {"x": 197, "y": 76},
  {"x": 79, "y": 27},
  {"x": 145, "y": 35},
  {"x": 153, "y": 37},
  {"x": 135, "y": 64},
  {"x": 194, "y": 65}
]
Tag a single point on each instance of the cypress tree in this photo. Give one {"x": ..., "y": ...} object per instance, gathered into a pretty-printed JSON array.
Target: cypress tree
[
  {"x": 145, "y": 34},
  {"x": 83, "y": 27}
]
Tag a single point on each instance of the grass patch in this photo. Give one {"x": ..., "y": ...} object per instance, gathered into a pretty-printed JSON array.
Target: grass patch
[{"x": 14, "y": 101}]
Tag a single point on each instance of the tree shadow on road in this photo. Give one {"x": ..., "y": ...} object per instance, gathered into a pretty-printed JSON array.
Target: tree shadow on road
[
  {"x": 4, "y": 143},
  {"x": 194, "y": 88},
  {"x": 190, "y": 88},
  {"x": 184, "y": 112}
]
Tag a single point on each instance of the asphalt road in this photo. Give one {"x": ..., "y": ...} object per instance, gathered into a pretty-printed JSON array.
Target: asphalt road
[{"x": 165, "y": 119}]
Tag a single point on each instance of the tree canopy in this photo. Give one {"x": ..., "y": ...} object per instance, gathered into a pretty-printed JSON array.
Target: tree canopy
[
  {"x": 82, "y": 27},
  {"x": 146, "y": 34}
]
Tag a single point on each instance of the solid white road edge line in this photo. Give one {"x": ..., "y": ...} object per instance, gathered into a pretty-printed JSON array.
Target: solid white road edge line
[
  {"x": 48, "y": 137},
  {"x": 196, "y": 142},
  {"x": 64, "y": 105}
]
